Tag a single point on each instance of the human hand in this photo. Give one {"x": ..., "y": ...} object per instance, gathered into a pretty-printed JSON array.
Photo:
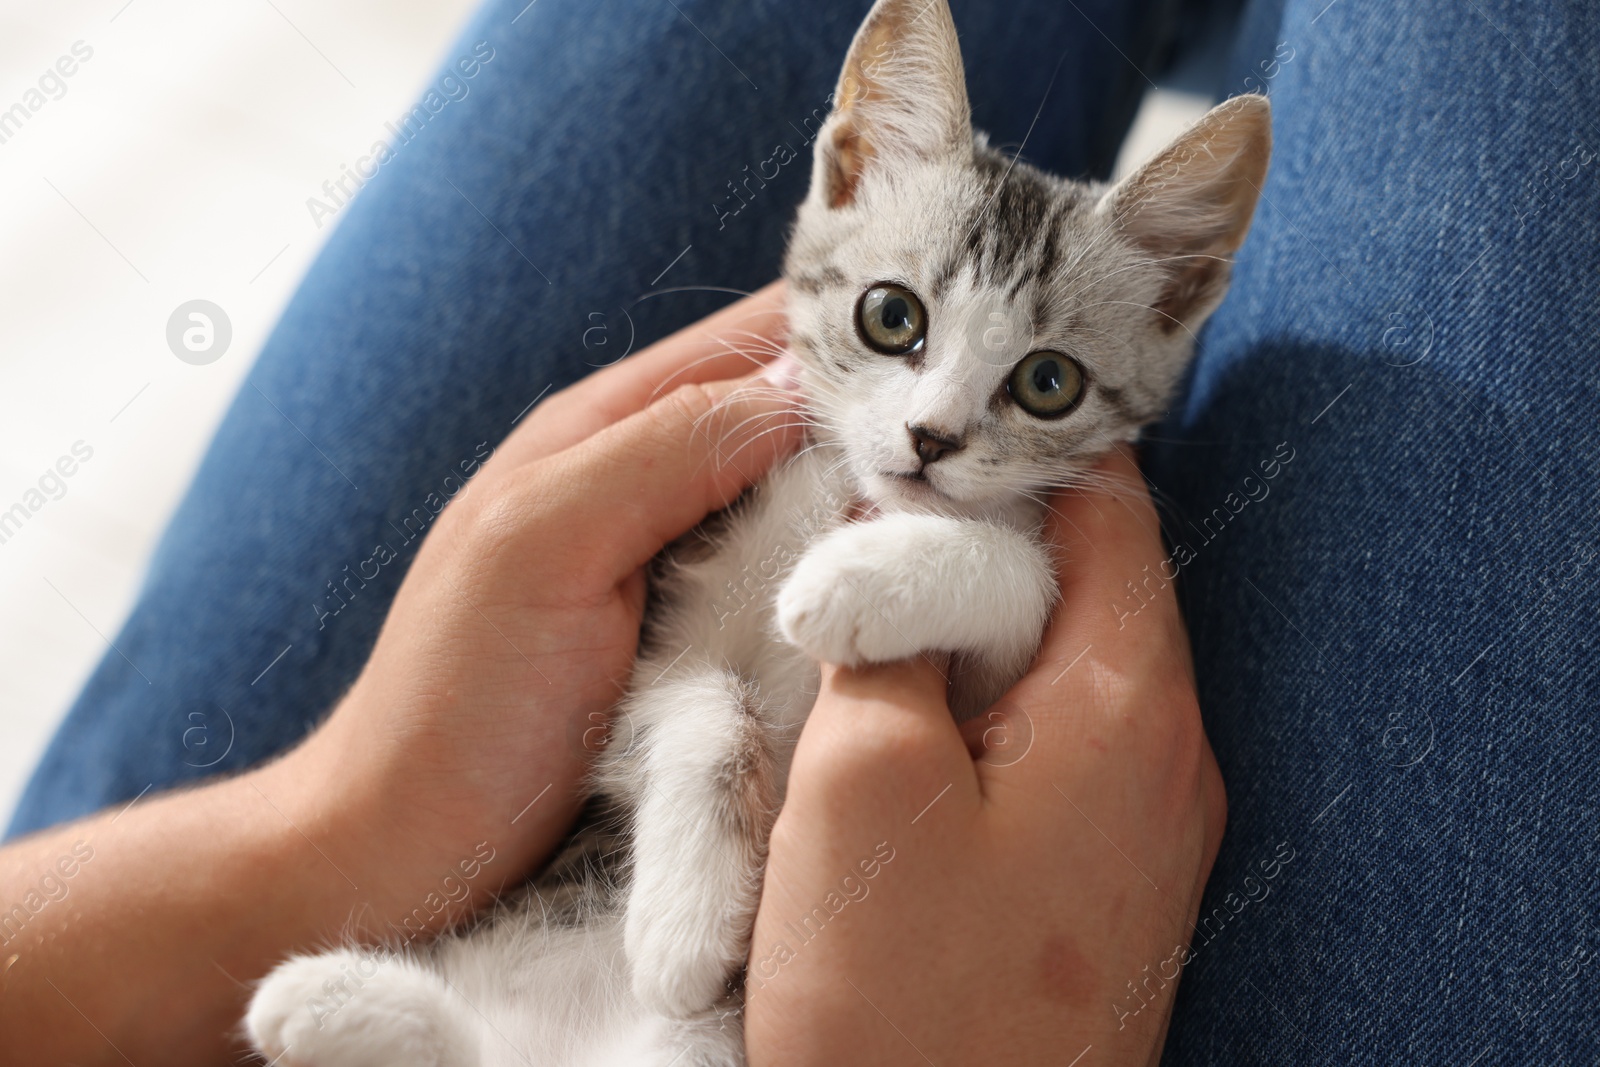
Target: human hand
[
  {"x": 468, "y": 728},
  {"x": 514, "y": 630},
  {"x": 926, "y": 898}
]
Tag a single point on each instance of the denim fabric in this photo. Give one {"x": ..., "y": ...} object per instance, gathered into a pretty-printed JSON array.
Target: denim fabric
[
  {"x": 1383, "y": 472},
  {"x": 1396, "y": 642}
]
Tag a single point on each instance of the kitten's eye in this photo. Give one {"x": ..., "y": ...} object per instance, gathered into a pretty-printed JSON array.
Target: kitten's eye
[
  {"x": 1046, "y": 384},
  {"x": 891, "y": 319}
]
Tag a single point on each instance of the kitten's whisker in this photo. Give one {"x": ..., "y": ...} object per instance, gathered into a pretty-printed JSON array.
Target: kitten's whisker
[
  {"x": 731, "y": 457},
  {"x": 764, "y": 416},
  {"x": 753, "y": 439},
  {"x": 679, "y": 376},
  {"x": 762, "y": 343},
  {"x": 796, "y": 418},
  {"x": 763, "y": 346},
  {"x": 766, "y": 392}
]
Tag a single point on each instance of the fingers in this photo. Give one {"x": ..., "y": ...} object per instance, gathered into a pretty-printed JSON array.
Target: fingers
[
  {"x": 1117, "y": 580},
  {"x": 1114, "y": 679},
  {"x": 880, "y": 745},
  {"x": 728, "y": 344},
  {"x": 641, "y": 482},
  {"x": 879, "y": 766},
  {"x": 913, "y": 687}
]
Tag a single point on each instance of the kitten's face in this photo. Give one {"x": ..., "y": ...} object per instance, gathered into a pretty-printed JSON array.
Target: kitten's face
[
  {"x": 968, "y": 342},
  {"x": 974, "y": 331}
]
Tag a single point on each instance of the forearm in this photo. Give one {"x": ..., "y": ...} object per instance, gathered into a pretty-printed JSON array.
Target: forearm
[{"x": 133, "y": 934}]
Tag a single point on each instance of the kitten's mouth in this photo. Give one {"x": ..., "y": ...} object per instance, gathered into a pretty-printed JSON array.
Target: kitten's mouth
[{"x": 915, "y": 485}]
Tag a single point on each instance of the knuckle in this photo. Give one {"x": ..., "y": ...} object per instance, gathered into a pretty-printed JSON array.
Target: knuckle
[
  {"x": 689, "y": 403},
  {"x": 1151, "y": 714},
  {"x": 892, "y": 761},
  {"x": 906, "y": 741},
  {"x": 874, "y": 751},
  {"x": 493, "y": 519},
  {"x": 1109, "y": 690},
  {"x": 503, "y": 513}
]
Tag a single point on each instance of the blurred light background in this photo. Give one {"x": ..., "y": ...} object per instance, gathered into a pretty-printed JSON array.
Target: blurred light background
[{"x": 173, "y": 164}]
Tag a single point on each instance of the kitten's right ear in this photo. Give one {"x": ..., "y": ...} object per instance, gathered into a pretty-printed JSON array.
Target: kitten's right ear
[{"x": 902, "y": 96}]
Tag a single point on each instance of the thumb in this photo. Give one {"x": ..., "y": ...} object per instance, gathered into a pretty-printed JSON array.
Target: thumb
[
  {"x": 880, "y": 742},
  {"x": 663, "y": 469}
]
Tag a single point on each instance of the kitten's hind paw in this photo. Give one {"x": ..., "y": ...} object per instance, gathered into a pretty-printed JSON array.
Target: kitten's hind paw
[
  {"x": 354, "y": 1008},
  {"x": 679, "y": 971}
]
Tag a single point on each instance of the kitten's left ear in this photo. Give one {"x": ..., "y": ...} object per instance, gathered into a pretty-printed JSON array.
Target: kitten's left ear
[
  {"x": 1190, "y": 206},
  {"x": 902, "y": 96}
]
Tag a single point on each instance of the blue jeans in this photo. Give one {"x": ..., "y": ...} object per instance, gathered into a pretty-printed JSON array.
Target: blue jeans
[{"x": 1383, "y": 475}]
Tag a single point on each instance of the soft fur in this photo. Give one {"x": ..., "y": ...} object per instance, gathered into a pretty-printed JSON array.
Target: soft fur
[{"x": 629, "y": 948}]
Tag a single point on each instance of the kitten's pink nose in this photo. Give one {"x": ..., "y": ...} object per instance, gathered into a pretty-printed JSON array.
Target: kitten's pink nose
[{"x": 931, "y": 444}]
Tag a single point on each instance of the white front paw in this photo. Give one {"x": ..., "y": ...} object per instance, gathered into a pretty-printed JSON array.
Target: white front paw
[
  {"x": 842, "y": 608},
  {"x": 898, "y": 585}
]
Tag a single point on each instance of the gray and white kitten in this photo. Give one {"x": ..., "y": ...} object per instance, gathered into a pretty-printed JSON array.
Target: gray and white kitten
[{"x": 972, "y": 333}]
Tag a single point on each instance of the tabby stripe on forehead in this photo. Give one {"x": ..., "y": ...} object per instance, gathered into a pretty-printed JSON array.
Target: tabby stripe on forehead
[
  {"x": 943, "y": 276},
  {"x": 1020, "y": 213},
  {"x": 1013, "y": 214},
  {"x": 1047, "y": 257}
]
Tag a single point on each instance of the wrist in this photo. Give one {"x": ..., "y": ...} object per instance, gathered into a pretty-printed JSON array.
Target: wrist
[
  {"x": 393, "y": 864},
  {"x": 329, "y": 802}
]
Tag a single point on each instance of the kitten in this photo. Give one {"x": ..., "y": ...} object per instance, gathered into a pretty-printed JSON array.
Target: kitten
[{"x": 972, "y": 333}]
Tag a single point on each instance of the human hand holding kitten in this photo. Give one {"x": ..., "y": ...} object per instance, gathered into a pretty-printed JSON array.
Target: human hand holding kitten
[{"x": 1065, "y": 862}]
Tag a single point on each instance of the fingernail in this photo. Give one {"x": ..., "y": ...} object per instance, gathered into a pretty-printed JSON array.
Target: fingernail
[{"x": 783, "y": 373}]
